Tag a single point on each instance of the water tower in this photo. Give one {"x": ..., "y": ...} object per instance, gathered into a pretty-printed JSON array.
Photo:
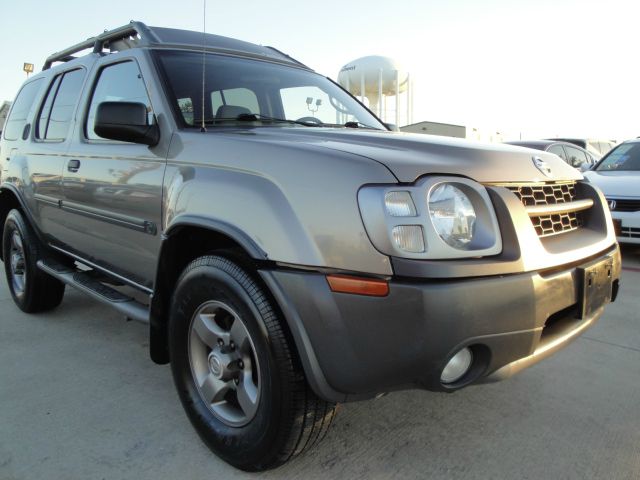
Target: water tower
[{"x": 376, "y": 78}]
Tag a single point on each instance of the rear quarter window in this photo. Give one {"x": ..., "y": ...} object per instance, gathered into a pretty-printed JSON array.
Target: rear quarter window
[
  {"x": 57, "y": 111},
  {"x": 17, "y": 119}
]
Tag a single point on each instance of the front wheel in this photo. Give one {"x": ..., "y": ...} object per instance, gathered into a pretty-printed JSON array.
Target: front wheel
[{"x": 236, "y": 372}]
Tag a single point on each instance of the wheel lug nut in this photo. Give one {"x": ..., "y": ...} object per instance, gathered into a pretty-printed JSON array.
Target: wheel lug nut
[
  {"x": 220, "y": 342},
  {"x": 232, "y": 345},
  {"x": 240, "y": 364},
  {"x": 236, "y": 381}
]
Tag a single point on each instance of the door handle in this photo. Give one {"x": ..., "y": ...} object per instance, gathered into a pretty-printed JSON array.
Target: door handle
[{"x": 73, "y": 165}]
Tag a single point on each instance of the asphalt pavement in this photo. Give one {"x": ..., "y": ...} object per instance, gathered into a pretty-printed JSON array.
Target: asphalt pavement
[{"x": 80, "y": 399}]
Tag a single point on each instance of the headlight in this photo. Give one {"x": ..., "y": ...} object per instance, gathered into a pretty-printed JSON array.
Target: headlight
[
  {"x": 453, "y": 215},
  {"x": 437, "y": 217}
]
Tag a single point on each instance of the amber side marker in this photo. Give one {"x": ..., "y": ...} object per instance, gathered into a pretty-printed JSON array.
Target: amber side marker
[{"x": 358, "y": 285}]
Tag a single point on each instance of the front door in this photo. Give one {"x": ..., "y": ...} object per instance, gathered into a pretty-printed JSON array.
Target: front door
[{"x": 113, "y": 190}]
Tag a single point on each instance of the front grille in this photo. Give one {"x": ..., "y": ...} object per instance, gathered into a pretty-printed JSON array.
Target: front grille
[
  {"x": 629, "y": 232},
  {"x": 622, "y": 205},
  {"x": 551, "y": 224},
  {"x": 544, "y": 194},
  {"x": 540, "y": 194}
]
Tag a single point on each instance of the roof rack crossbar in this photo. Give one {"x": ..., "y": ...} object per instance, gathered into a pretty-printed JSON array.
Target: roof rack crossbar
[{"x": 98, "y": 43}]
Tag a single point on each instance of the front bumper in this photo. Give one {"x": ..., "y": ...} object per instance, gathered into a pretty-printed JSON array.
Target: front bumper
[
  {"x": 628, "y": 230},
  {"x": 354, "y": 347}
]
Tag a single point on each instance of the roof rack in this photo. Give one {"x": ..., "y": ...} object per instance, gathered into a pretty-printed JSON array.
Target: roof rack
[
  {"x": 121, "y": 37},
  {"x": 137, "y": 34}
]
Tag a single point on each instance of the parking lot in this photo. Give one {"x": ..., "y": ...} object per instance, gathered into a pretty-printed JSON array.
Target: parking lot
[{"x": 80, "y": 399}]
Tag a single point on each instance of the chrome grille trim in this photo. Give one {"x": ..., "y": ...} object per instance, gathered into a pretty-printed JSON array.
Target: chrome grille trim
[
  {"x": 559, "y": 208},
  {"x": 551, "y": 206}
]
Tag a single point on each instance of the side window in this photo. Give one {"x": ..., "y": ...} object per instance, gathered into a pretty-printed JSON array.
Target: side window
[
  {"x": 186, "y": 108},
  {"x": 576, "y": 157},
  {"x": 43, "y": 118},
  {"x": 57, "y": 112},
  {"x": 120, "y": 82},
  {"x": 558, "y": 150},
  {"x": 237, "y": 97},
  {"x": 21, "y": 106}
]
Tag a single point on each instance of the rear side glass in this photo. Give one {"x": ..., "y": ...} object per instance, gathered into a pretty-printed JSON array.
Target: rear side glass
[
  {"x": 43, "y": 118},
  {"x": 64, "y": 104},
  {"x": 186, "y": 108},
  {"x": 576, "y": 157},
  {"x": 20, "y": 110},
  {"x": 558, "y": 150}
]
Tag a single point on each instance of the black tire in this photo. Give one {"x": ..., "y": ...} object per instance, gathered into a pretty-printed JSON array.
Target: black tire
[
  {"x": 37, "y": 291},
  {"x": 289, "y": 418}
]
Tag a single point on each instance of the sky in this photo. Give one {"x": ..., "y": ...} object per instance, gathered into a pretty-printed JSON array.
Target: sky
[{"x": 527, "y": 68}]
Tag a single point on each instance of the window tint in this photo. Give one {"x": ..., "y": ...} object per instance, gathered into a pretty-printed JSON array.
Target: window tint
[
  {"x": 558, "y": 150},
  {"x": 121, "y": 82},
  {"x": 20, "y": 109},
  {"x": 64, "y": 105},
  {"x": 266, "y": 88},
  {"x": 575, "y": 157},
  {"x": 43, "y": 118}
]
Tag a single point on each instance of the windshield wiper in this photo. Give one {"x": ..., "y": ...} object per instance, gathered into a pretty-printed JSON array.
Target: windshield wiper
[
  {"x": 360, "y": 125},
  {"x": 254, "y": 117}
]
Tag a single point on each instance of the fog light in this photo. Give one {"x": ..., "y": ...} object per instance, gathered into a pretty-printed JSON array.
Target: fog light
[
  {"x": 457, "y": 366},
  {"x": 408, "y": 238}
]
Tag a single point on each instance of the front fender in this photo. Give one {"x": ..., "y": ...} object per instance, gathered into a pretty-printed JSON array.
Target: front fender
[{"x": 293, "y": 207}]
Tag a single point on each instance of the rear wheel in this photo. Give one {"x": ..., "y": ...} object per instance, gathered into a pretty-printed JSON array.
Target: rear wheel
[
  {"x": 238, "y": 379},
  {"x": 32, "y": 289}
]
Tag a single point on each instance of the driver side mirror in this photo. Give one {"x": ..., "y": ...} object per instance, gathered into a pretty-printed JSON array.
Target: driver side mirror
[{"x": 127, "y": 122}]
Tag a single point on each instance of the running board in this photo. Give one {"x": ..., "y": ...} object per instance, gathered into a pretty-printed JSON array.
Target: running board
[{"x": 86, "y": 283}]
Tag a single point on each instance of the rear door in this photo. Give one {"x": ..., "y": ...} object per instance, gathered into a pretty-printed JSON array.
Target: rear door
[
  {"x": 51, "y": 138},
  {"x": 113, "y": 190}
]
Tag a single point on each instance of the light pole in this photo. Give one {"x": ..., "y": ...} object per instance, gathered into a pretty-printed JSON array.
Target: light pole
[{"x": 28, "y": 68}]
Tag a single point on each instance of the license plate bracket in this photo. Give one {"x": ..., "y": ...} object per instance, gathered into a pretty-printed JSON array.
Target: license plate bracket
[{"x": 596, "y": 283}]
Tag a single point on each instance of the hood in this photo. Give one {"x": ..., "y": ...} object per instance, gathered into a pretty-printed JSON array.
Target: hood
[
  {"x": 409, "y": 156},
  {"x": 622, "y": 183}
]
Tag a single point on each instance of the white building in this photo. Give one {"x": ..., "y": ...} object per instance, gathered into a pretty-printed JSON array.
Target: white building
[{"x": 457, "y": 131}]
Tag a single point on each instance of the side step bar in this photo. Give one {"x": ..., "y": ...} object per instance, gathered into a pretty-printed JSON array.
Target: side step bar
[{"x": 86, "y": 283}]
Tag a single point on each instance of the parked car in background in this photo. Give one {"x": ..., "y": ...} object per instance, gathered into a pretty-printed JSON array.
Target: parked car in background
[
  {"x": 575, "y": 156},
  {"x": 618, "y": 176},
  {"x": 598, "y": 148}
]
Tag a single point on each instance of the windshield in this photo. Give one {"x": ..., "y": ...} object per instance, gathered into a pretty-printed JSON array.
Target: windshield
[
  {"x": 623, "y": 157},
  {"x": 240, "y": 91}
]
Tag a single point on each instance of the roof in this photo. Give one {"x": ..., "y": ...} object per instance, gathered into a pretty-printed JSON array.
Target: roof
[
  {"x": 137, "y": 35},
  {"x": 540, "y": 144}
]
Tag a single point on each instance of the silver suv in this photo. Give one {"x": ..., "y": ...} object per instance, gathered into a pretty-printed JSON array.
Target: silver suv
[{"x": 287, "y": 250}]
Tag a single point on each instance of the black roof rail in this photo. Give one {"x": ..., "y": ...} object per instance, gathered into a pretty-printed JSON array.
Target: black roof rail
[
  {"x": 137, "y": 34},
  {"x": 136, "y": 31}
]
